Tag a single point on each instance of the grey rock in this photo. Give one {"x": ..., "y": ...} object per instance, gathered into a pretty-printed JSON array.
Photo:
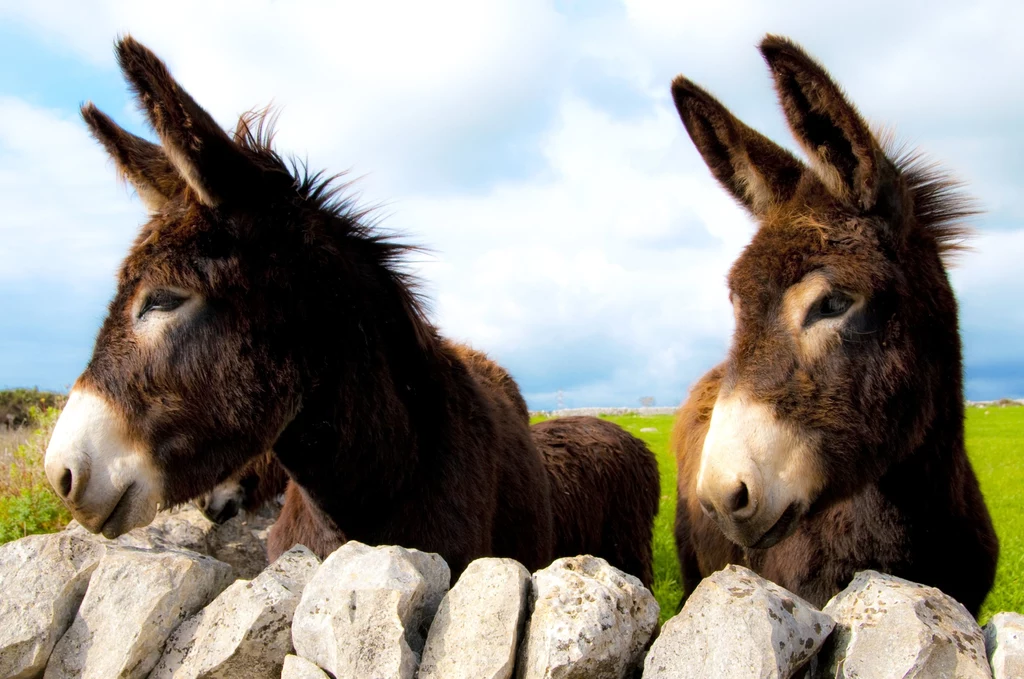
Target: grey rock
[
  {"x": 589, "y": 620},
  {"x": 362, "y": 613},
  {"x": 240, "y": 542},
  {"x": 246, "y": 630},
  {"x": 43, "y": 579},
  {"x": 737, "y": 624},
  {"x": 136, "y": 598},
  {"x": 300, "y": 668},
  {"x": 478, "y": 624},
  {"x": 1004, "y": 643},
  {"x": 890, "y": 627}
]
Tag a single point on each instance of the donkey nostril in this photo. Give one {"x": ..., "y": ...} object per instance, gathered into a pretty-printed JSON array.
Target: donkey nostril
[
  {"x": 65, "y": 483},
  {"x": 739, "y": 499}
]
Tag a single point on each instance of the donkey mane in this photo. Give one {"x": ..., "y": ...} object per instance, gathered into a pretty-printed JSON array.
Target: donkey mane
[
  {"x": 941, "y": 206},
  {"x": 331, "y": 195}
]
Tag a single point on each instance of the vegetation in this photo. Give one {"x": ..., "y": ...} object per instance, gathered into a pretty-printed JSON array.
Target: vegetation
[
  {"x": 28, "y": 504},
  {"x": 16, "y": 405},
  {"x": 995, "y": 443}
]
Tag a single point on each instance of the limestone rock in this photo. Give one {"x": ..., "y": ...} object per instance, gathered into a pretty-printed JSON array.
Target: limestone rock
[
  {"x": 589, "y": 620},
  {"x": 43, "y": 579},
  {"x": 1004, "y": 643},
  {"x": 246, "y": 630},
  {"x": 240, "y": 542},
  {"x": 300, "y": 668},
  {"x": 135, "y": 600},
  {"x": 361, "y": 613},
  {"x": 890, "y": 627},
  {"x": 737, "y": 624},
  {"x": 478, "y": 624}
]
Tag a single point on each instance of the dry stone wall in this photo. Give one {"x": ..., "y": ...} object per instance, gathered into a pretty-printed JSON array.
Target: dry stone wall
[{"x": 185, "y": 598}]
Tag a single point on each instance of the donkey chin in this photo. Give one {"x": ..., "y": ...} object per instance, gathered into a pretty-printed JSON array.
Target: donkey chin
[
  {"x": 106, "y": 480},
  {"x": 758, "y": 475}
]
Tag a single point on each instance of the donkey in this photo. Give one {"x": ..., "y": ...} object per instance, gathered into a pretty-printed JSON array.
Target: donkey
[
  {"x": 831, "y": 439},
  {"x": 605, "y": 487},
  {"x": 261, "y": 481},
  {"x": 259, "y": 310}
]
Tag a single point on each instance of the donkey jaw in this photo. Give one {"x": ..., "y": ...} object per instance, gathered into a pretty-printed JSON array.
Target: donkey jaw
[
  {"x": 107, "y": 482},
  {"x": 758, "y": 475}
]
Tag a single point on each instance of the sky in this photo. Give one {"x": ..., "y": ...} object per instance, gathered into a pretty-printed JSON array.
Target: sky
[{"x": 574, "y": 232}]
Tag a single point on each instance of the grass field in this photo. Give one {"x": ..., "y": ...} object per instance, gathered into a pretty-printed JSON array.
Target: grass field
[{"x": 995, "y": 443}]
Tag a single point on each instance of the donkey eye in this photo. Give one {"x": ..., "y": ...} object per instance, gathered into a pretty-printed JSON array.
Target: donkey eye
[
  {"x": 161, "y": 300},
  {"x": 832, "y": 305}
]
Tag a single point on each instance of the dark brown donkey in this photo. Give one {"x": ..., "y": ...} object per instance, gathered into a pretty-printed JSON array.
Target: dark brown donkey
[
  {"x": 257, "y": 311},
  {"x": 604, "y": 487},
  {"x": 831, "y": 439}
]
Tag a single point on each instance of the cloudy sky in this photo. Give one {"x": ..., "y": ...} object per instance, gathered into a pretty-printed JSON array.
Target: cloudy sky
[{"x": 576, "y": 234}]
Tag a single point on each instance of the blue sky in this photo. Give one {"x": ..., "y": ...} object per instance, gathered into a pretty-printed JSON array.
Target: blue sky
[{"x": 533, "y": 146}]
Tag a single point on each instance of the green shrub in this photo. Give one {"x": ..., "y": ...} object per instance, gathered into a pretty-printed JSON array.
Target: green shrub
[
  {"x": 28, "y": 504},
  {"x": 16, "y": 405}
]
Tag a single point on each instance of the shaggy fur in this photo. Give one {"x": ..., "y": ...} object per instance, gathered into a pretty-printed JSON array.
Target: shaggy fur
[
  {"x": 307, "y": 339},
  {"x": 884, "y": 397},
  {"x": 285, "y": 322},
  {"x": 604, "y": 491},
  {"x": 612, "y": 472}
]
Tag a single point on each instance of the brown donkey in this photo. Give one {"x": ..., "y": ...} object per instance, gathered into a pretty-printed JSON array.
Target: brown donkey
[
  {"x": 604, "y": 487},
  {"x": 258, "y": 310},
  {"x": 831, "y": 439}
]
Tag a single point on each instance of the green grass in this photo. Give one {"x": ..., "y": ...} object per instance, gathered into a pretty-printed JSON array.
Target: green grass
[
  {"x": 27, "y": 503},
  {"x": 995, "y": 443}
]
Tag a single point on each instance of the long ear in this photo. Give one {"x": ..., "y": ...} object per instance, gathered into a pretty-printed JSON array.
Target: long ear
[
  {"x": 142, "y": 163},
  {"x": 846, "y": 154},
  {"x": 758, "y": 172},
  {"x": 210, "y": 163}
]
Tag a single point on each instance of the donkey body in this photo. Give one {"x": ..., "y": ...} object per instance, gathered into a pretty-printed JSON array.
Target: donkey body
[
  {"x": 831, "y": 439},
  {"x": 604, "y": 483}
]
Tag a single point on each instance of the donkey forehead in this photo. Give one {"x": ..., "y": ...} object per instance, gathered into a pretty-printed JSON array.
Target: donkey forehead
[{"x": 781, "y": 255}]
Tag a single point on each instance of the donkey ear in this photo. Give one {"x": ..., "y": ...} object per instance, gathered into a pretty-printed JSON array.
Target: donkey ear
[
  {"x": 758, "y": 172},
  {"x": 849, "y": 159},
  {"x": 210, "y": 163},
  {"x": 142, "y": 163}
]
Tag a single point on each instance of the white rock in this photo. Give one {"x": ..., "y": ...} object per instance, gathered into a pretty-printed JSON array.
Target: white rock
[
  {"x": 240, "y": 542},
  {"x": 135, "y": 600},
  {"x": 246, "y": 630},
  {"x": 361, "y": 613},
  {"x": 43, "y": 579},
  {"x": 300, "y": 668},
  {"x": 478, "y": 624},
  {"x": 588, "y": 620},
  {"x": 1004, "y": 643},
  {"x": 890, "y": 627},
  {"x": 737, "y": 624}
]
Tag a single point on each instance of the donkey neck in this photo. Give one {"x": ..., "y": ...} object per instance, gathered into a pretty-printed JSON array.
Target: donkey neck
[{"x": 374, "y": 397}]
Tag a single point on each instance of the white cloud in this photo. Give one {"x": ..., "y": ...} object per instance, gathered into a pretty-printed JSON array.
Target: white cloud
[
  {"x": 64, "y": 216},
  {"x": 613, "y": 247}
]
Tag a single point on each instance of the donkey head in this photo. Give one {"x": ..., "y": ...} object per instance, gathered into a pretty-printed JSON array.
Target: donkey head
[
  {"x": 190, "y": 375},
  {"x": 846, "y": 337}
]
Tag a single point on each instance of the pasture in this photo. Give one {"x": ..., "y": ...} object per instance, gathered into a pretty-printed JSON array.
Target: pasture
[{"x": 995, "y": 443}]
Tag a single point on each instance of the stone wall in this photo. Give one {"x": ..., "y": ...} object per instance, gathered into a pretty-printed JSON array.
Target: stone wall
[{"x": 186, "y": 598}]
